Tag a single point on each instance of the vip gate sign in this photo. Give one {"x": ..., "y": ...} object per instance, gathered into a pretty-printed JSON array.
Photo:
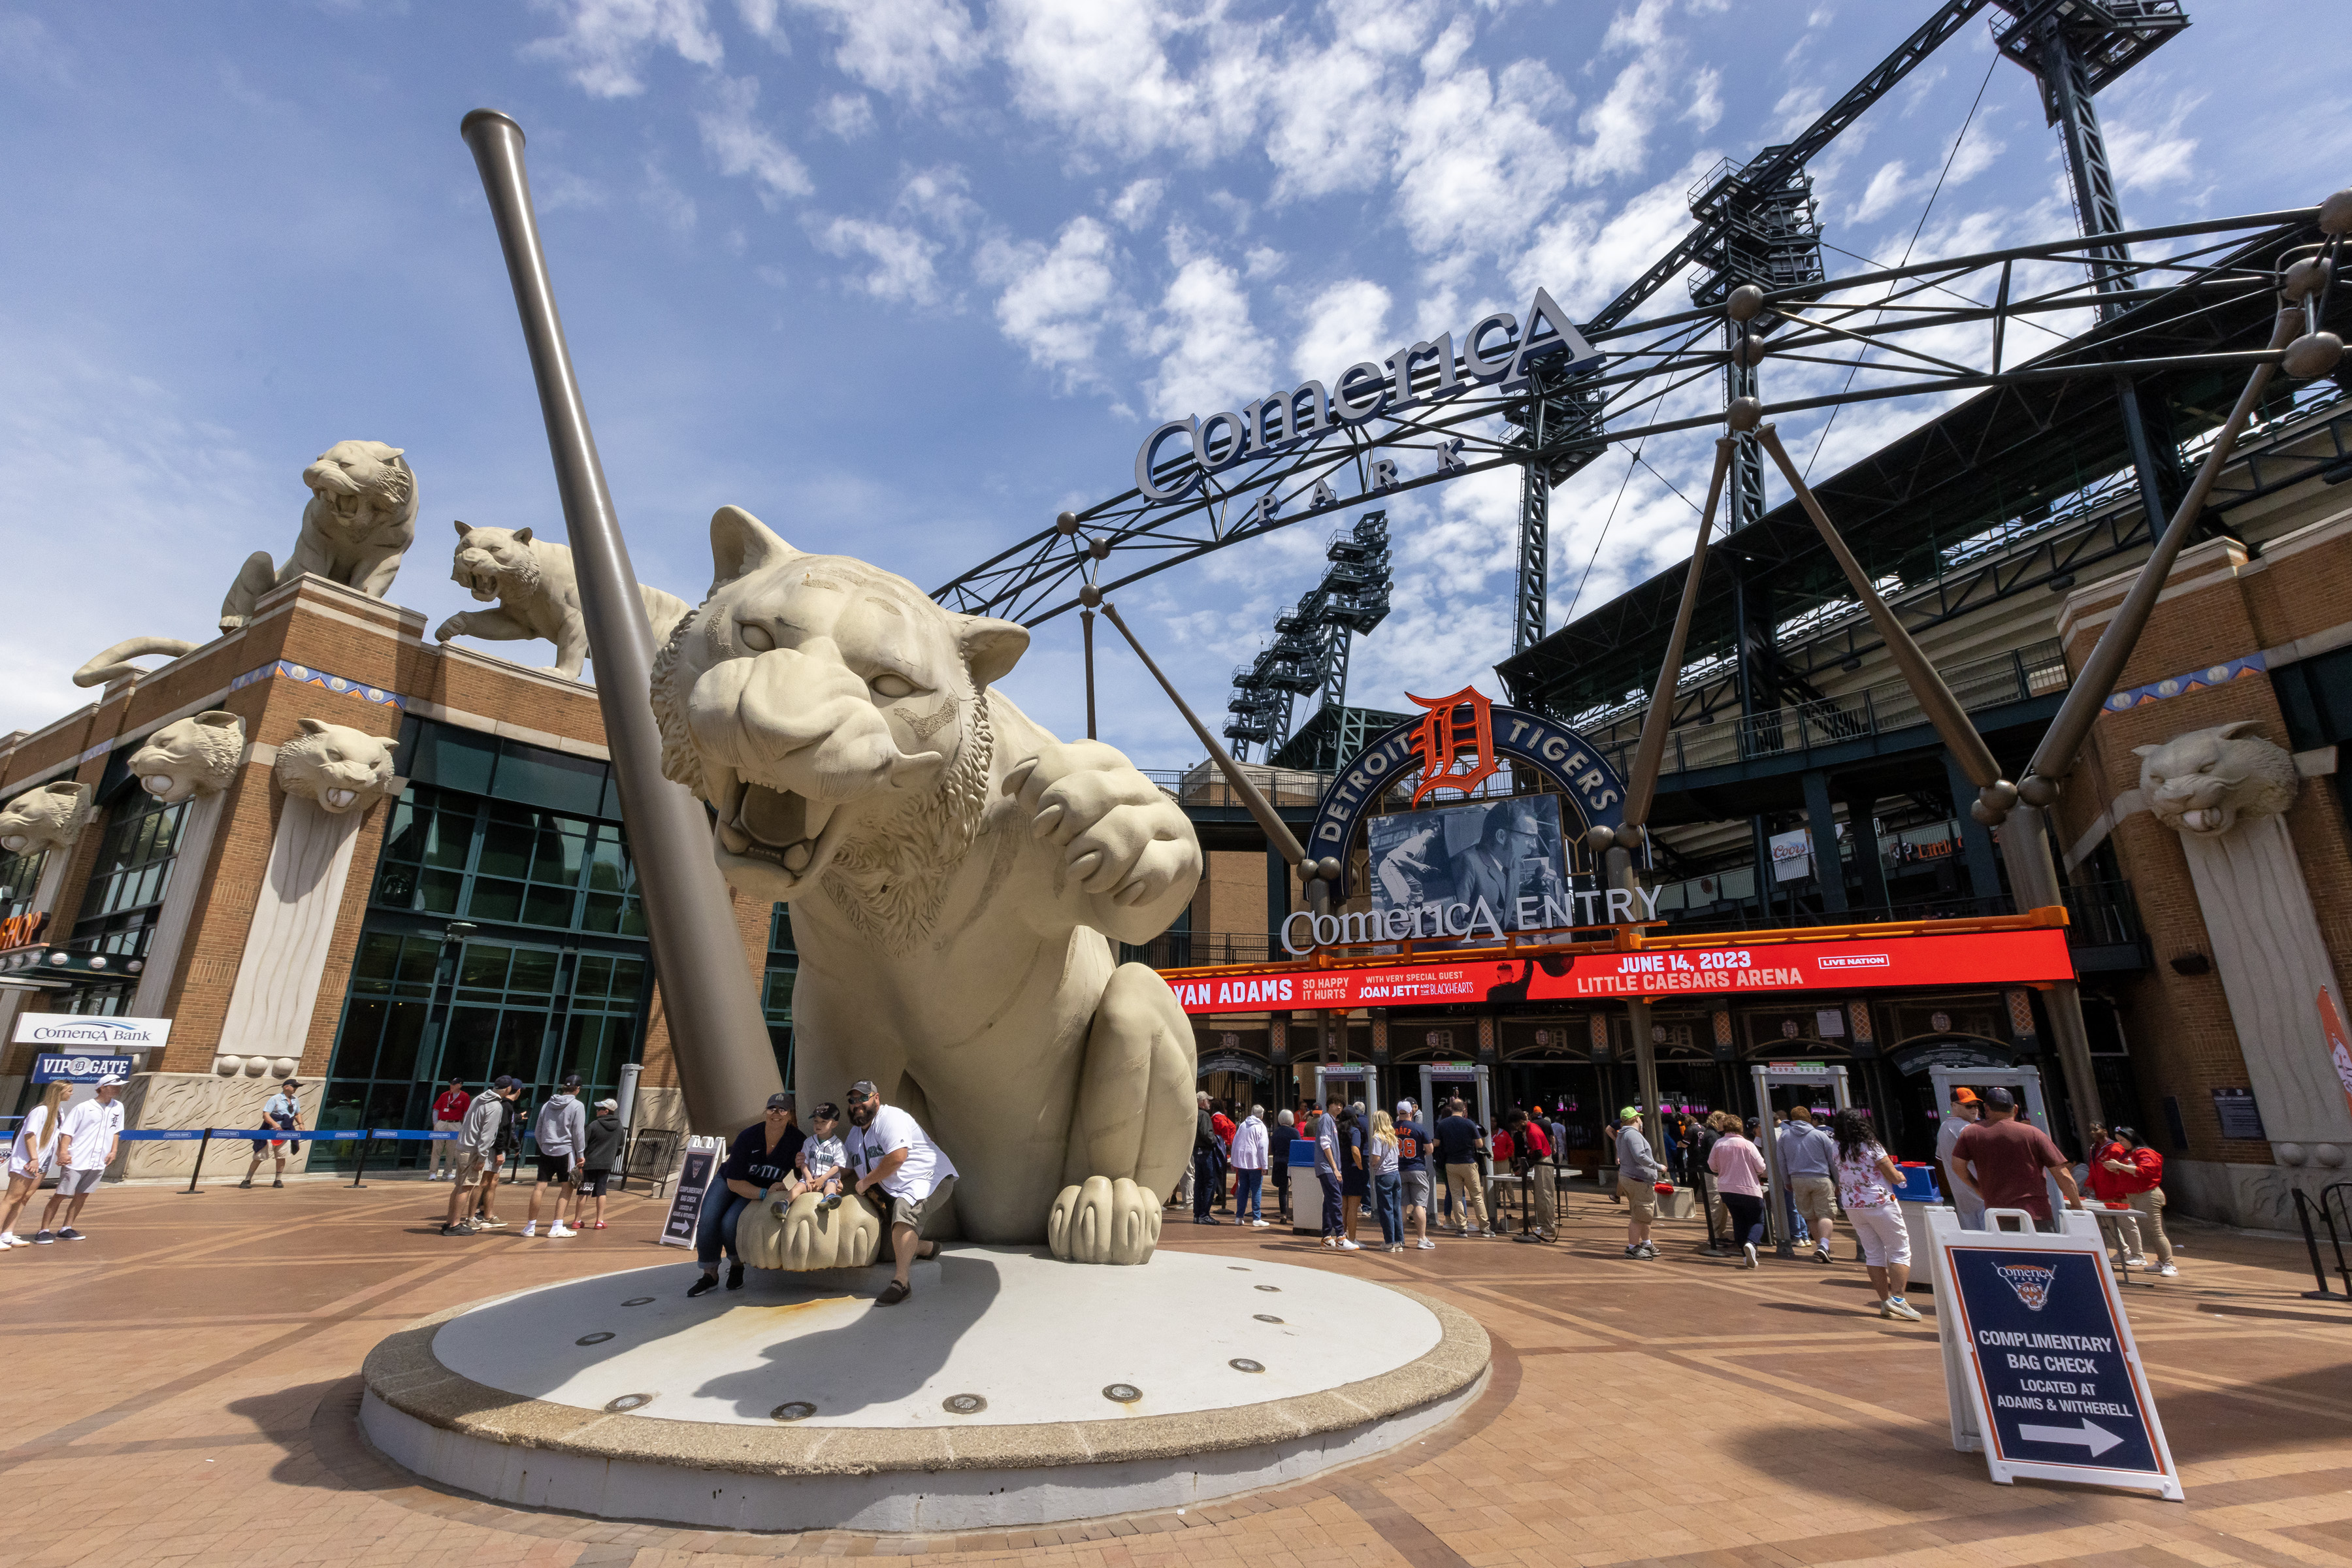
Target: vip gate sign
[{"x": 1975, "y": 958}]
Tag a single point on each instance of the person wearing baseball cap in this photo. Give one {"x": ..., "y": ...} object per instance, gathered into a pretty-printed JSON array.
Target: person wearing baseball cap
[
  {"x": 561, "y": 1133},
  {"x": 478, "y": 1157},
  {"x": 1964, "y": 1108},
  {"x": 889, "y": 1150},
  {"x": 1412, "y": 1168},
  {"x": 283, "y": 1113},
  {"x": 85, "y": 1147},
  {"x": 2009, "y": 1163},
  {"x": 758, "y": 1165}
]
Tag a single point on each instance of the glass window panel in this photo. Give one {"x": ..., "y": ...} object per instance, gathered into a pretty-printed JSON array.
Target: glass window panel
[
  {"x": 632, "y": 920},
  {"x": 545, "y": 906},
  {"x": 601, "y": 912},
  {"x": 595, "y": 978},
  {"x": 466, "y": 1048},
  {"x": 538, "y": 776},
  {"x": 506, "y": 849},
  {"x": 419, "y": 957},
  {"x": 453, "y": 835},
  {"x": 437, "y": 893},
  {"x": 777, "y": 998},
  {"x": 606, "y": 872},
  {"x": 533, "y": 972},
  {"x": 404, "y": 838},
  {"x": 521, "y": 1035},
  {"x": 355, "y": 1046},
  {"x": 452, "y": 758},
  {"x": 483, "y": 965},
  {"x": 395, "y": 885},
  {"x": 495, "y": 901},
  {"x": 379, "y": 952},
  {"x": 403, "y": 1027},
  {"x": 628, "y": 980}
]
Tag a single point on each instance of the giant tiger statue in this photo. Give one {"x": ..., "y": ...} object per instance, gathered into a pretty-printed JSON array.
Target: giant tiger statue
[
  {"x": 360, "y": 519},
  {"x": 957, "y": 877}
]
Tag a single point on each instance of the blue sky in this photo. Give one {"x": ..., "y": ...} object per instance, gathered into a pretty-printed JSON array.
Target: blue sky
[{"x": 904, "y": 277}]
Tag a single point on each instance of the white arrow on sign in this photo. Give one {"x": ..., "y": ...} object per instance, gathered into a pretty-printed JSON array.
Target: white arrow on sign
[{"x": 2098, "y": 1439}]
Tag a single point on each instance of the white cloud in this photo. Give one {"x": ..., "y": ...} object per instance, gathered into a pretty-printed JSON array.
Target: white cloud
[
  {"x": 902, "y": 266},
  {"x": 1334, "y": 110},
  {"x": 848, "y": 115},
  {"x": 1584, "y": 259},
  {"x": 1477, "y": 164},
  {"x": 1101, "y": 68},
  {"x": 1212, "y": 355},
  {"x": 1055, "y": 302},
  {"x": 1620, "y": 124},
  {"x": 1346, "y": 322},
  {"x": 662, "y": 198},
  {"x": 1886, "y": 187},
  {"x": 942, "y": 197},
  {"x": 1133, "y": 208},
  {"x": 743, "y": 146},
  {"x": 2143, "y": 160},
  {"x": 604, "y": 44},
  {"x": 1705, "y": 91},
  {"x": 908, "y": 48},
  {"x": 1265, "y": 262}
]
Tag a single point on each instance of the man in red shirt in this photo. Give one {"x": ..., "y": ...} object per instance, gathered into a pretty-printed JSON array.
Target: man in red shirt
[
  {"x": 1223, "y": 1126},
  {"x": 448, "y": 1115},
  {"x": 1539, "y": 1175},
  {"x": 2005, "y": 1161},
  {"x": 2126, "y": 1170}
]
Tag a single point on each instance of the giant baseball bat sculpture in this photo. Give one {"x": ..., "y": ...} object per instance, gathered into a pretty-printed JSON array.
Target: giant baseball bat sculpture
[{"x": 717, "y": 1038}]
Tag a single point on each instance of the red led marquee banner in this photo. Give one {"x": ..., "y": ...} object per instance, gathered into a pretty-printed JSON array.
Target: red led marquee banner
[{"x": 1976, "y": 958}]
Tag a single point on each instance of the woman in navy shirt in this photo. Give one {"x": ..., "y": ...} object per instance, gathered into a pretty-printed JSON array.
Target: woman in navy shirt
[{"x": 759, "y": 1162}]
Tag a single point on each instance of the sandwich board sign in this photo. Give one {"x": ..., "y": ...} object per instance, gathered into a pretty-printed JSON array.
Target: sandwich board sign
[
  {"x": 694, "y": 1179},
  {"x": 2039, "y": 1361}
]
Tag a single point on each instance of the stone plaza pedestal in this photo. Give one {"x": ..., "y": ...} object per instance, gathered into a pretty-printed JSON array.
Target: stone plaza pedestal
[{"x": 1011, "y": 1389}]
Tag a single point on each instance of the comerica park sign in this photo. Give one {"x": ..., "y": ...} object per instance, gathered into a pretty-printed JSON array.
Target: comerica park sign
[{"x": 1498, "y": 348}]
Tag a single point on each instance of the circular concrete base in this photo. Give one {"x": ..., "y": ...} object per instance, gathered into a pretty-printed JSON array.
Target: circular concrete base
[{"x": 1011, "y": 1390}]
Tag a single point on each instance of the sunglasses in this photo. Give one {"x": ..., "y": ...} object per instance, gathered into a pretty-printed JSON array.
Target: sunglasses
[{"x": 855, "y": 1098}]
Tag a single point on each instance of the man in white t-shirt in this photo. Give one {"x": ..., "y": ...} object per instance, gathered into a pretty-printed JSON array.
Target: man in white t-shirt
[
  {"x": 85, "y": 1146},
  {"x": 888, "y": 1151}
]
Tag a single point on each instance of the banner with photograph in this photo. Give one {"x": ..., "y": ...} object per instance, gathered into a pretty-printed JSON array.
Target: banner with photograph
[{"x": 1500, "y": 852}]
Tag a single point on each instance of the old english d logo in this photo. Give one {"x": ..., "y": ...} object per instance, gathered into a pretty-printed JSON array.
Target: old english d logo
[
  {"x": 2031, "y": 1282},
  {"x": 1456, "y": 728},
  {"x": 2339, "y": 1049}
]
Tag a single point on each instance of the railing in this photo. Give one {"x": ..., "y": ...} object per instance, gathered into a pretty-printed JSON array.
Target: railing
[
  {"x": 2035, "y": 670},
  {"x": 2102, "y": 914},
  {"x": 1953, "y": 909},
  {"x": 1192, "y": 949},
  {"x": 1202, "y": 785}
]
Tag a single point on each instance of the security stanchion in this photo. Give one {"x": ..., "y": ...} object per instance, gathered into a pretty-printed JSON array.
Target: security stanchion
[
  {"x": 359, "y": 1167},
  {"x": 202, "y": 1144}
]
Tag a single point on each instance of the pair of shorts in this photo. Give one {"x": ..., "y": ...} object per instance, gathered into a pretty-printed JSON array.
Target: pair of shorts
[
  {"x": 1815, "y": 1197},
  {"x": 1641, "y": 1198},
  {"x": 1885, "y": 1239},
  {"x": 914, "y": 1211},
  {"x": 74, "y": 1183},
  {"x": 555, "y": 1167},
  {"x": 1416, "y": 1189},
  {"x": 591, "y": 1183},
  {"x": 472, "y": 1167}
]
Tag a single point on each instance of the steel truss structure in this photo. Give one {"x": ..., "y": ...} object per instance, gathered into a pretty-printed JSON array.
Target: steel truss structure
[
  {"x": 1311, "y": 642},
  {"x": 2191, "y": 300}
]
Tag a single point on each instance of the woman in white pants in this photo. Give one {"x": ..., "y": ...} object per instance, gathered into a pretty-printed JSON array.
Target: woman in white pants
[
  {"x": 35, "y": 1141},
  {"x": 1867, "y": 1182}
]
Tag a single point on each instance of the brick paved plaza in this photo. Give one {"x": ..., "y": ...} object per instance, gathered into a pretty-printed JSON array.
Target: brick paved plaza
[{"x": 181, "y": 1391}]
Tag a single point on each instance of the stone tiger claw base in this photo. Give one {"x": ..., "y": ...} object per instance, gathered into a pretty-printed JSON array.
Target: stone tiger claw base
[
  {"x": 1103, "y": 1221},
  {"x": 806, "y": 1235}
]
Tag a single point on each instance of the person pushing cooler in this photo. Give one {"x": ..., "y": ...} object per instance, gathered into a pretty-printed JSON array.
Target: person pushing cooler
[{"x": 890, "y": 1151}]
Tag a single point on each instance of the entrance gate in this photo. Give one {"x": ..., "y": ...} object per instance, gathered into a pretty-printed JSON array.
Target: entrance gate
[
  {"x": 2026, "y": 1081},
  {"x": 1466, "y": 1076},
  {"x": 1776, "y": 1212}
]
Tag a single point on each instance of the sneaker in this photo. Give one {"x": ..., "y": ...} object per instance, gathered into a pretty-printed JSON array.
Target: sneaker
[
  {"x": 600, "y": 1224},
  {"x": 43, "y": 1237},
  {"x": 247, "y": 1183},
  {"x": 2166, "y": 1270},
  {"x": 462, "y": 1227},
  {"x": 1648, "y": 1249},
  {"x": 1211, "y": 1219},
  {"x": 1821, "y": 1255},
  {"x": 560, "y": 1229},
  {"x": 490, "y": 1223},
  {"x": 1258, "y": 1224},
  {"x": 530, "y": 1228},
  {"x": 1426, "y": 1245},
  {"x": 704, "y": 1286},
  {"x": 2137, "y": 1263},
  {"x": 1897, "y": 1307},
  {"x": 70, "y": 1234},
  {"x": 1748, "y": 1255},
  {"x": 8, "y": 1238},
  {"x": 1633, "y": 1252},
  {"x": 734, "y": 1276},
  {"x": 278, "y": 1184},
  {"x": 1346, "y": 1245}
]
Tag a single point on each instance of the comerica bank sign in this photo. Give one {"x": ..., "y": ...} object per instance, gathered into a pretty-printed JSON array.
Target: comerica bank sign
[{"x": 1498, "y": 348}]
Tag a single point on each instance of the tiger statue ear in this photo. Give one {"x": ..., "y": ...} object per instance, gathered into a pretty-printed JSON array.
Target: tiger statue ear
[{"x": 741, "y": 544}]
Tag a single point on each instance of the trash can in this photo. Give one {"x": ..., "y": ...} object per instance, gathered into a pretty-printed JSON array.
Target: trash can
[{"x": 1918, "y": 1195}]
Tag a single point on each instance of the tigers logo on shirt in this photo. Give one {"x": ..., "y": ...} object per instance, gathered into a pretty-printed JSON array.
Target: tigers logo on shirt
[{"x": 2031, "y": 1282}]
